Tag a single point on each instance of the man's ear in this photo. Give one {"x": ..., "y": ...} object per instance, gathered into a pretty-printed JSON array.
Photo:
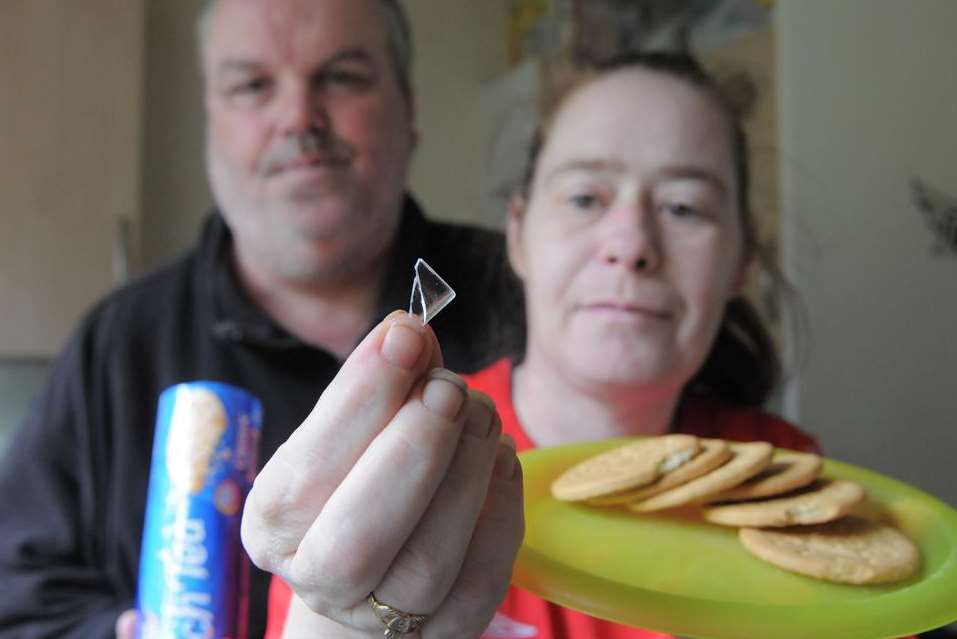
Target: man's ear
[
  {"x": 513, "y": 234},
  {"x": 413, "y": 129}
]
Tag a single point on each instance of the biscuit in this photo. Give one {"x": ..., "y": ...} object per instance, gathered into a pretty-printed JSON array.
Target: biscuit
[
  {"x": 747, "y": 461},
  {"x": 788, "y": 471},
  {"x": 624, "y": 468},
  {"x": 823, "y": 501},
  {"x": 714, "y": 452},
  {"x": 196, "y": 425},
  {"x": 851, "y": 550}
]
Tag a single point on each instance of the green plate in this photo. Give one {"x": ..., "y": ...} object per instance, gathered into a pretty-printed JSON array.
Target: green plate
[{"x": 674, "y": 573}]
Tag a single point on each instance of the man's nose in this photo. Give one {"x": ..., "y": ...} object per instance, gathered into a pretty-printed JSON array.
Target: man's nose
[
  {"x": 631, "y": 238},
  {"x": 302, "y": 109}
]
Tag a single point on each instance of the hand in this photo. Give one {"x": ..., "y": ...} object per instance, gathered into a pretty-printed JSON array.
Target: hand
[
  {"x": 126, "y": 625},
  {"x": 396, "y": 484}
]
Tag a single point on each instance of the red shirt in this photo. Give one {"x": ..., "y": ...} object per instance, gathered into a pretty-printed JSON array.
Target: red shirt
[{"x": 524, "y": 615}]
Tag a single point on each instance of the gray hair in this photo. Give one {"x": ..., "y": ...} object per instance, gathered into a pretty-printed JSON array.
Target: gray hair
[{"x": 397, "y": 30}]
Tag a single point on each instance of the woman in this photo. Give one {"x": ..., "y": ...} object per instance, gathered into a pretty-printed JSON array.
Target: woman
[{"x": 633, "y": 238}]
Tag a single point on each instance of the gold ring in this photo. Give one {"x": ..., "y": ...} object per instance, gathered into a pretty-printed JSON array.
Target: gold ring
[{"x": 397, "y": 623}]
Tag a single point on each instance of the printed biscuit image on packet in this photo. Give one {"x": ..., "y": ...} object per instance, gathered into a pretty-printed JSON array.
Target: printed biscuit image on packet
[
  {"x": 430, "y": 293},
  {"x": 194, "y": 574},
  {"x": 196, "y": 426}
]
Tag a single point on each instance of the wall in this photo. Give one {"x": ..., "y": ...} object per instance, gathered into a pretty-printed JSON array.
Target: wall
[
  {"x": 20, "y": 381},
  {"x": 458, "y": 46},
  {"x": 867, "y": 102},
  {"x": 754, "y": 54},
  {"x": 175, "y": 194},
  {"x": 70, "y": 78}
]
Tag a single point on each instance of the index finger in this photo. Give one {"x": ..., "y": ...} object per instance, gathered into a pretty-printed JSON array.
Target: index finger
[{"x": 373, "y": 383}]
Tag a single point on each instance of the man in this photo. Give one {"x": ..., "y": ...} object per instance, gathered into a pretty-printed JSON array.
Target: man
[{"x": 310, "y": 128}]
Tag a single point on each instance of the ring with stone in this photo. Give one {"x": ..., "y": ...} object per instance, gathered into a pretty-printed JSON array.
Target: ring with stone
[{"x": 397, "y": 622}]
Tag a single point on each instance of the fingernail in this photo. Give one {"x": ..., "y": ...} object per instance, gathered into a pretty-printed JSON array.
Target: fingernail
[
  {"x": 481, "y": 416},
  {"x": 444, "y": 393},
  {"x": 505, "y": 461},
  {"x": 402, "y": 346}
]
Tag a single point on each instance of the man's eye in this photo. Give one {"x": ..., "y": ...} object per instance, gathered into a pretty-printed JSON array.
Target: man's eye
[
  {"x": 250, "y": 87},
  {"x": 351, "y": 80}
]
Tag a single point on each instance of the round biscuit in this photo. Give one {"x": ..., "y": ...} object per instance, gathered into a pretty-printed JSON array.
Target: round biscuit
[
  {"x": 825, "y": 500},
  {"x": 622, "y": 468},
  {"x": 197, "y": 423},
  {"x": 714, "y": 452},
  {"x": 851, "y": 550},
  {"x": 789, "y": 470},
  {"x": 747, "y": 460}
]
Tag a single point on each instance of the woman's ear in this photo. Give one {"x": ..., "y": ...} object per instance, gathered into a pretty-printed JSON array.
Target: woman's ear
[
  {"x": 513, "y": 234},
  {"x": 742, "y": 276}
]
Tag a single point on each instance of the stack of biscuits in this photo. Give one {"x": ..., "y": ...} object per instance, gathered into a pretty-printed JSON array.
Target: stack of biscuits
[{"x": 786, "y": 512}]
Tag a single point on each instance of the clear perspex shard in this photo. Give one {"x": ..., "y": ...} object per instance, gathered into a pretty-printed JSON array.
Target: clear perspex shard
[{"x": 430, "y": 293}]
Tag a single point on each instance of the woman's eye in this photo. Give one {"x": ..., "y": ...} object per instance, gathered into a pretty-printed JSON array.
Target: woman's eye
[
  {"x": 682, "y": 210},
  {"x": 584, "y": 201}
]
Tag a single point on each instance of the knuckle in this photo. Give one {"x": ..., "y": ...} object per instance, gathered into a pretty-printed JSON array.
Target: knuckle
[
  {"x": 337, "y": 578},
  {"x": 267, "y": 550},
  {"x": 476, "y": 601},
  {"x": 496, "y": 428},
  {"x": 419, "y": 570},
  {"x": 257, "y": 552},
  {"x": 317, "y": 603},
  {"x": 424, "y": 446},
  {"x": 253, "y": 538},
  {"x": 274, "y": 490}
]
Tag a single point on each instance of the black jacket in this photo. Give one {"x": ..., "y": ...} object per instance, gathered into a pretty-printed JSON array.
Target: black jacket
[{"x": 73, "y": 480}]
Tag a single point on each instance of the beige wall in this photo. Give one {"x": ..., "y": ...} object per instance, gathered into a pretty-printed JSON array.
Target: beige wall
[
  {"x": 175, "y": 194},
  {"x": 867, "y": 102},
  {"x": 459, "y": 45},
  {"x": 70, "y": 83}
]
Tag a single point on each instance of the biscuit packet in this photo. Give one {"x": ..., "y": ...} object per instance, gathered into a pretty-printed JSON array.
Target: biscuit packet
[{"x": 194, "y": 574}]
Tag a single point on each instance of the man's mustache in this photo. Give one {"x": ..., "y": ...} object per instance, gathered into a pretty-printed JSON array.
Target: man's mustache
[{"x": 314, "y": 146}]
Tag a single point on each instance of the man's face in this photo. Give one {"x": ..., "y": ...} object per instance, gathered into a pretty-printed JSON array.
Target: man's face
[{"x": 309, "y": 134}]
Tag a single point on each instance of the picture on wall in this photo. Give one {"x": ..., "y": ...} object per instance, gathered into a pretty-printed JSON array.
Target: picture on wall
[{"x": 598, "y": 29}]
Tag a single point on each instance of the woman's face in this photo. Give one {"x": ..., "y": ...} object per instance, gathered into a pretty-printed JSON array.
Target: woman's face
[{"x": 630, "y": 243}]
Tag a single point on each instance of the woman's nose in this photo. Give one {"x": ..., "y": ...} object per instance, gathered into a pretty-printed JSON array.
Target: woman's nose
[{"x": 631, "y": 239}]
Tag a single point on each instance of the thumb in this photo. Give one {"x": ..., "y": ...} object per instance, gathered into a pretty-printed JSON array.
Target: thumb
[{"x": 126, "y": 625}]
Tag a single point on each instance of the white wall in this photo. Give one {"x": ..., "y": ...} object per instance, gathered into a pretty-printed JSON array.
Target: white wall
[
  {"x": 868, "y": 101},
  {"x": 459, "y": 44}
]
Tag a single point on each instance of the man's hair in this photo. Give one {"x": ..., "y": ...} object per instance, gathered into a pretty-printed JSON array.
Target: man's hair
[{"x": 398, "y": 33}]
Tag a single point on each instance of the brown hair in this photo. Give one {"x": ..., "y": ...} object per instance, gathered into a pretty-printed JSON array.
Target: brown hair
[{"x": 743, "y": 366}]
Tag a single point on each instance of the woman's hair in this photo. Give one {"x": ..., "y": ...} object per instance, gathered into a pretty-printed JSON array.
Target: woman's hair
[{"x": 743, "y": 366}]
